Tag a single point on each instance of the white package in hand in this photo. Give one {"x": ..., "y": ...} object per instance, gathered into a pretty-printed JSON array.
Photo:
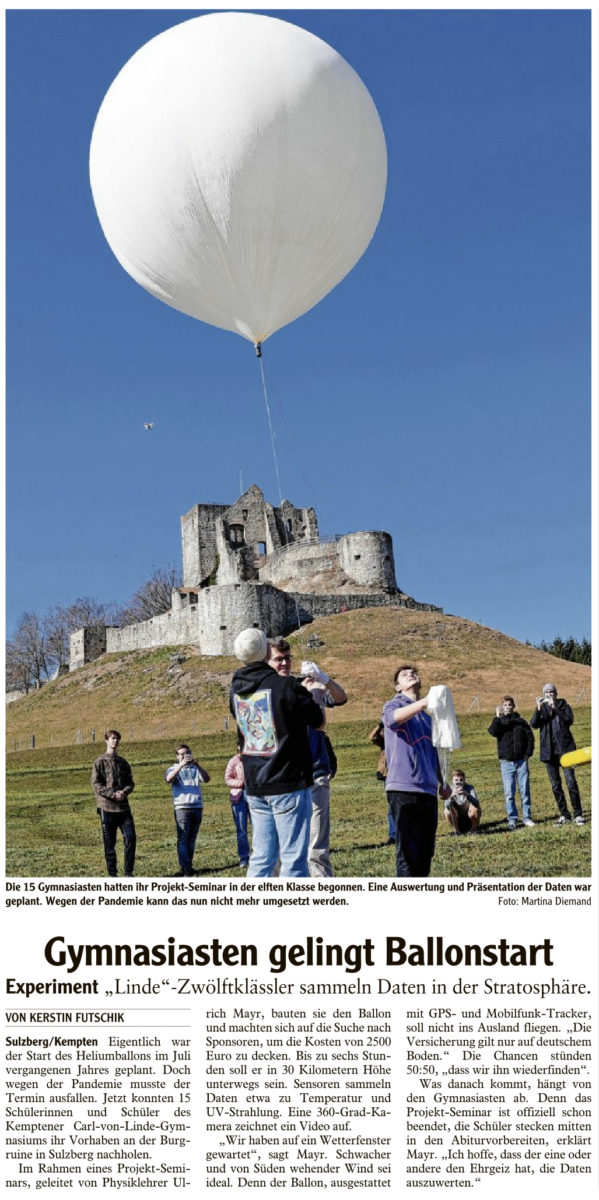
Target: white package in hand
[{"x": 446, "y": 733}]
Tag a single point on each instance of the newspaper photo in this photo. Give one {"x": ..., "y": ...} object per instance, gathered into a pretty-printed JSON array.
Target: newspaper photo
[{"x": 299, "y": 854}]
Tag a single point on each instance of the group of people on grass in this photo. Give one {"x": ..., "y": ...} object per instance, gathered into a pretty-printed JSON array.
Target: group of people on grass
[
  {"x": 279, "y": 779},
  {"x": 553, "y": 717}
]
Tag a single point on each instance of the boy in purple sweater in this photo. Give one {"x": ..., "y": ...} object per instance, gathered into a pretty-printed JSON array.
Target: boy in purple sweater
[{"x": 413, "y": 774}]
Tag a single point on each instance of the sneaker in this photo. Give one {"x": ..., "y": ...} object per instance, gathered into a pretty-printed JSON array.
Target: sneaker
[
  {"x": 562, "y": 821},
  {"x": 244, "y": 862},
  {"x": 579, "y": 820},
  {"x": 529, "y": 824},
  {"x": 511, "y": 826}
]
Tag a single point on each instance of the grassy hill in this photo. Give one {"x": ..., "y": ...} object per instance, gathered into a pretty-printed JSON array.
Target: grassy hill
[{"x": 176, "y": 692}]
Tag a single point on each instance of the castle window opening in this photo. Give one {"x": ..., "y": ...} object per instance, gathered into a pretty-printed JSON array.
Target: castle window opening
[
  {"x": 236, "y": 535},
  {"x": 261, "y": 548},
  {"x": 289, "y": 524},
  {"x": 244, "y": 513},
  {"x": 221, "y": 627},
  {"x": 357, "y": 556}
]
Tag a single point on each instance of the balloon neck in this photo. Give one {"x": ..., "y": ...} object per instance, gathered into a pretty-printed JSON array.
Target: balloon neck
[{"x": 258, "y": 349}]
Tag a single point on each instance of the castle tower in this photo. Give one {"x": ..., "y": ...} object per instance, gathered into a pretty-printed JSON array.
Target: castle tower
[{"x": 221, "y": 544}]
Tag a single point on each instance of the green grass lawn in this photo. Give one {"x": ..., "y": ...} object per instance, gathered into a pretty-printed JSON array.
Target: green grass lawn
[{"x": 53, "y": 829}]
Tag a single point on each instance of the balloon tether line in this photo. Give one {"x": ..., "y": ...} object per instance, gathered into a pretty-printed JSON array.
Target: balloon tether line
[{"x": 258, "y": 348}]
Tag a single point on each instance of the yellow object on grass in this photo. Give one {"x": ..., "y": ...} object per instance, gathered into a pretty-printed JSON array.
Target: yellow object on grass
[{"x": 575, "y": 758}]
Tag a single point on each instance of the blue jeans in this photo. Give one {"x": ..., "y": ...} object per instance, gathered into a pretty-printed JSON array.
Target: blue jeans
[
  {"x": 240, "y": 816},
  {"x": 188, "y": 821},
  {"x": 390, "y": 820},
  {"x": 281, "y": 830},
  {"x": 510, "y": 773}
]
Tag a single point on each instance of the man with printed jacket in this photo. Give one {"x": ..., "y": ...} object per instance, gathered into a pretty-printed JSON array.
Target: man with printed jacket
[
  {"x": 515, "y": 745},
  {"x": 273, "y": 715},
  {"x": 327, "y": 693},
  {"x": 553, "y": 718},
  {"x": 112, "y": 782}
]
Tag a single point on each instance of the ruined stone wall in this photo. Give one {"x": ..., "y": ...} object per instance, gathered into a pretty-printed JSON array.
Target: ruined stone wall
[
  {"x": 235, "y": 563},
  {"x": 173, "y": 628},
  {"x": 250, "y": 513},
  {"x": 264, "y": 524},
  {"x": 225, "y": 611},
  {"x": 299, "y": 562},
  {"x": 86, "y": 644},
  {"x": 296, "y": 524},
  {"x": 325, "y": 606},
  {"x": 198, "y": 539},
  {"x": 365, "y": 559}
]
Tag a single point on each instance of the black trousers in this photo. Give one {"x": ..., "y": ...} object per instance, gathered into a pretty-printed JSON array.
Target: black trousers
[
  {"x": 558, "y": 791},
  {"x": 415, "y": 815},
  {"x": 111, "y": 822}
]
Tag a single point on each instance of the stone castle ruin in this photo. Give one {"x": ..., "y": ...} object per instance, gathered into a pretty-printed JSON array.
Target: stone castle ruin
[{"x": 250, "y": 563}]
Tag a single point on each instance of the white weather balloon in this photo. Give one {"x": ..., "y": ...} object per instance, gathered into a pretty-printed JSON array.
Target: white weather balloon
[{"x": 238, "y": 169}]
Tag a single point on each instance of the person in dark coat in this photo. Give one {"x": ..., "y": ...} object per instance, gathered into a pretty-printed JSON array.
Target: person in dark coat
[
  {"x": 515, "y": 745},
  {"x": 553, "y": 718},
  {"x": 112, "y": 782},
  {"x": 273, "y": 715}
]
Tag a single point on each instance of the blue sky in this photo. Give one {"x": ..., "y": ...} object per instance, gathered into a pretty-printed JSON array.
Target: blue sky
[{"x": 441, "y": 392}]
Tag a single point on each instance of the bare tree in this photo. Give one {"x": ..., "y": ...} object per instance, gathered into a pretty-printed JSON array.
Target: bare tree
[
  {"x": 152, "y": 598},
  {"x": 62, "y": 621},
  {"x": 18, "y": 675},
  {"x": 28, "y": 651}
]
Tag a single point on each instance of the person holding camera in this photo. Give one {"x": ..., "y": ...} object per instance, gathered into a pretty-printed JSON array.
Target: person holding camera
[
  {"x": 515, "y": 745},
  {"x": 462, "y": 807},
  {"x": 553, "y": 718},
  {"x": 186, "y": 777}
]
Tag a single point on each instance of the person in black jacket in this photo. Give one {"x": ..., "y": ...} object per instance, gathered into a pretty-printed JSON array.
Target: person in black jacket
[
  {"x": 327, "y": 693},
  {"x": 273, "y": 714},
  {"x": 112, "y": 782},
  {"x": 515, "y": 745},
  {"x": 553, "y": 718}
]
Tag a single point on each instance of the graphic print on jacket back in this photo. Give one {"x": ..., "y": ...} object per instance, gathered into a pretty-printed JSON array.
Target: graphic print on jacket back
[{"x": 254, "y": 716}]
